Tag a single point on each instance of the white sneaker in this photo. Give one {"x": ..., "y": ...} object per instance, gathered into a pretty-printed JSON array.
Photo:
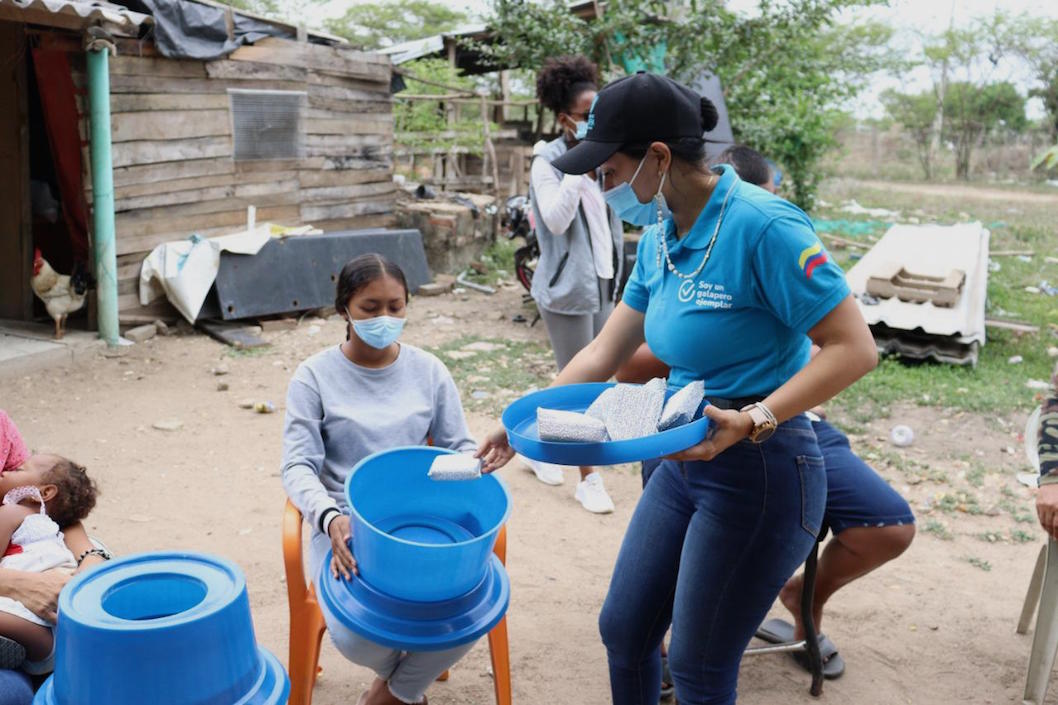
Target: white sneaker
[
  {"x": 548, "y": 473},
  {"x": 592, "y": 495}
]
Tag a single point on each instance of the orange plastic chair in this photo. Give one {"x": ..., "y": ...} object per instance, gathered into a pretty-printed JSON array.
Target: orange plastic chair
[{"x": 307, "y": 626}]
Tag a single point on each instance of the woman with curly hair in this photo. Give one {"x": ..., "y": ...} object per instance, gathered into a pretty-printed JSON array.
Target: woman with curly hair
[{"x": 575, "y": 283}]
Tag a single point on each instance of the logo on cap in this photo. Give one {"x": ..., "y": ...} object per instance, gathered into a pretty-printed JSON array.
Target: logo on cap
[{"x": 591, "y": 116}]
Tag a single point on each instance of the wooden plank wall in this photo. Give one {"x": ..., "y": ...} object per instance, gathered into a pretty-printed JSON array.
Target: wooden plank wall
[{"x": 172, "y": 148}]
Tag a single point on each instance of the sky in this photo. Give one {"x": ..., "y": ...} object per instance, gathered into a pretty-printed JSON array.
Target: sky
[{"x": 910, "y": 18}]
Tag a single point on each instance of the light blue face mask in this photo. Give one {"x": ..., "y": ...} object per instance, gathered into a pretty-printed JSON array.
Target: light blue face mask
[
  {"x": 628, "y": 207},
  {"x": 379, "y": 332},
  {"x": 582, "y": 130}
]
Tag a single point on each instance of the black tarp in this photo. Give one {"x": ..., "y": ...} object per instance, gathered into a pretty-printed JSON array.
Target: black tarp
[{"x": 188, "y": 30}]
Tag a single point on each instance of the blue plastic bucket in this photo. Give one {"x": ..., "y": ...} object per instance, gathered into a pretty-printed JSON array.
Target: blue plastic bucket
[
  {"x": 419, "y": 539},
  {"x": 160, "y": 628}
]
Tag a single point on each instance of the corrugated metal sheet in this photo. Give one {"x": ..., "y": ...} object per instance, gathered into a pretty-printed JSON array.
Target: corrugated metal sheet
[
  {"x": 428, "y": 46},
  {"x": 922, "y": 330},
  {"x": 72, "y": 13}
]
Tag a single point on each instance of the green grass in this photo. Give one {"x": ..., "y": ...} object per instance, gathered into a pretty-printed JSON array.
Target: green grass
[
  {"x": 505, "y": 373},
  {"x": 1019, "y": 536},
  {"x": 938, "y": 529},
  {"x": 995, "y": 385},
  {"x": 979, "y": 563}
]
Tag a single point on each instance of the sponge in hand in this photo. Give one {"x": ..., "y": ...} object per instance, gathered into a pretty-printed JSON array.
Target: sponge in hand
[{"x": 455, "y": 466}]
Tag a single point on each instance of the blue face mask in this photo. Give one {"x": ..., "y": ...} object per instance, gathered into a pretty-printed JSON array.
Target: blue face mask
[
  {"x": 379, "y": 332},
  {"x": 627, "y": 206},
  {"x": 582, "y": 129}
]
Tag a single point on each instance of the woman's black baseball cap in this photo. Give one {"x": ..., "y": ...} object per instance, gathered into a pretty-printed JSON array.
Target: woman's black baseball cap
[{"x": 637, "y": 110}]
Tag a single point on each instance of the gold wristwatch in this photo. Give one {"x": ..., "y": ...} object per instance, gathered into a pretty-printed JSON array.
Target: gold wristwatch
[{"x": 764, "y": 423}]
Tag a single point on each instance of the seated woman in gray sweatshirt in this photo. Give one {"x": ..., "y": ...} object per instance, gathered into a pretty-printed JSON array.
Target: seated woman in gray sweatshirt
[{"x": 345, "y": 403}]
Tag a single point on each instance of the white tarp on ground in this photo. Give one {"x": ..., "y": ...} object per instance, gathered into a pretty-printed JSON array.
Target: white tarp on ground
[
  {"x": 184, "y": 270},
  {"x": 932, "y": 250}
]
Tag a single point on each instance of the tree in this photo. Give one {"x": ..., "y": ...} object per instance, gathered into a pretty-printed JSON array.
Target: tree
[
  {"x": 971, "y": 112},
  {"x": 1035, "y": 41},
  {"x": 786, "y": 72},
  {"x": 382, "y": 24},
  {"x": 917, "y": 114}
]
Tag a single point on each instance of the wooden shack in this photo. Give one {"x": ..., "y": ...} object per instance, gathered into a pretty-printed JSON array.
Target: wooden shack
[{"x": 301, "y": 130}]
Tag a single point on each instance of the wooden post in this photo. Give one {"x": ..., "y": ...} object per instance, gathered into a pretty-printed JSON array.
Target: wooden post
[
  {"x": 505, "y": 96},
  {"x": 490, "y": 149}
]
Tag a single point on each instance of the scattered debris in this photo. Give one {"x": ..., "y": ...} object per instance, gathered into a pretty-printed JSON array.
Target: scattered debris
[
  {"x": 1025, "y": 258},
  {"x": 264, "y": 407},
  {"x": 141, "y": 334},
  {"x": 1032, "y": 290},
  {"x": 219, "y": 370},
  {"x": 168, "y": 425},
  {"x": 901, "y": 436},
  {"x": 434, "y": 289},
  {"x": 1048, "y": 288},
  {"x": 479, "y": 267},
  {"x": 246, "y": 403},
  {"x": 1052, "y": 351},
  {"x": 855, "y": 208},
  {"x": 1038, "y": 384},
  {"x": 462, "y": 279},
  {"x": 238, "y": 336},
  {"x": 1015, "y": 326},
  {"x": 994, "y": 266},
  {"x": 162, "y": 327},
  {"x": 222, "y": 386}
]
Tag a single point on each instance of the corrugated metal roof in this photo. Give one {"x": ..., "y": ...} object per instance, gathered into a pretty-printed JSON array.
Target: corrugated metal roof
[
  {"x": 428, "y": 46},
  {"x": 923, "y": 330},
  {"x": 72, "y": 14}
]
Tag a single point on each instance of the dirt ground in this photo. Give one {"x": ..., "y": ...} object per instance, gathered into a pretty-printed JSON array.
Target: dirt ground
[
  {"x": 964, "y": 191},
  {"x": 936, "y": 627}
]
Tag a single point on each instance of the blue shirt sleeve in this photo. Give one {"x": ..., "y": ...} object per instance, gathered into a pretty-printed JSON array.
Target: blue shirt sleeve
[
  {"x": 636, "y": 293},
  {"x": 797, "y": 280}
]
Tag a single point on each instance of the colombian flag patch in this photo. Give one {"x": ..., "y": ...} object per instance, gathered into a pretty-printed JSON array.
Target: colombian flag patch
[{"x": 811, "y": 257}]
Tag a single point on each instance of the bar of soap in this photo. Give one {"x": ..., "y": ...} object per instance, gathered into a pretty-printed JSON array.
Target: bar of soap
[
  {"x": 598, "y": 408},
  {"x": 682, "y": 407},
  {"x": 569, "y": 426},
  {"x": 631, "y": 410},
  {"x": 455, "y": 466}
]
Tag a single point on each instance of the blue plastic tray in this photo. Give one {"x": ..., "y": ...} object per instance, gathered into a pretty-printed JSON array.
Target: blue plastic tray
[
  {"x": 416, "y": 626},
  {"x": 520, "y": 421}
]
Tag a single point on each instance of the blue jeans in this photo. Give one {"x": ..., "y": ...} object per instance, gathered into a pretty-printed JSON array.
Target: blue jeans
[
  {"x": 15, "y": 688},
  {"x": 708, "y": 549}
]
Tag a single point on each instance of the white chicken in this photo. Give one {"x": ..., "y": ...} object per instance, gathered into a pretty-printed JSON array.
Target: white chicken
[{"x": 62, "y": 294}]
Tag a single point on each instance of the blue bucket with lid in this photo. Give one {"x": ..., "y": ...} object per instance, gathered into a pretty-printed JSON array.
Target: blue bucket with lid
[
  {"x": 160, "y": 628},
  {"x": 417, "y": 539}
]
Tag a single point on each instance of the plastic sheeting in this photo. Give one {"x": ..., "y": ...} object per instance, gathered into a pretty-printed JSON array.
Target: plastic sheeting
[
  {"x": 184, "y": 271},
  {"x": 188, "y": 30}
]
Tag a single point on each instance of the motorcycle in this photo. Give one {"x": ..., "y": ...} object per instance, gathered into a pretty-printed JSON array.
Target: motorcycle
[{"x": 517, "y": 219}]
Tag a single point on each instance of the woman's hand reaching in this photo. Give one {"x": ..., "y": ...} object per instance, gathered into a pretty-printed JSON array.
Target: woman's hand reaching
[
  {"x": 342, "y": 562},
  {"x": 727, "y": 427},
  {"x": 495, "y": 451}
]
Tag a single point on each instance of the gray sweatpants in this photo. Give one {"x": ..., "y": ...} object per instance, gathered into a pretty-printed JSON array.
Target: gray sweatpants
[
  {"x": 408, "y": 674},
  {"x": 571, "y": 333}
]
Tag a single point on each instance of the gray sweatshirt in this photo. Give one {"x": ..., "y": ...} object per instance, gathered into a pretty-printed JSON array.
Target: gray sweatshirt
[{"x": 338, "y": 413}]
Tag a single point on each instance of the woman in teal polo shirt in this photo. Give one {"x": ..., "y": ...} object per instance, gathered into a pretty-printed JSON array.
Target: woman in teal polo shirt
[{"x": 728, "y": 283}]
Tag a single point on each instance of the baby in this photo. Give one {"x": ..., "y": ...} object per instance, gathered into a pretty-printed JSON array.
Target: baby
[{"x": 41, "y": 495}]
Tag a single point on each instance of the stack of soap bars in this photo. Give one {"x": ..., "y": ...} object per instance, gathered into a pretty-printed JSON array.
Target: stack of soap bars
[{"x": 623, "y": 412}]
